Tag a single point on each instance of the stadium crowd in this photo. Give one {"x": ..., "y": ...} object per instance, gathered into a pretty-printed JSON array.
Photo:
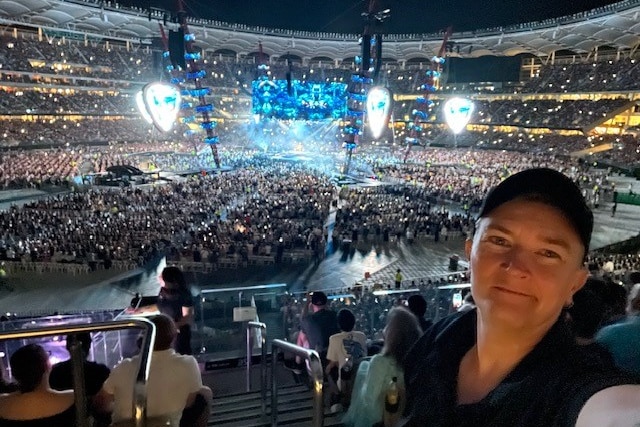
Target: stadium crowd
[
  {"x": 609, "y": 75},
  {"x": 255, "y": 210},
  {"x": 207, "y": 218}
]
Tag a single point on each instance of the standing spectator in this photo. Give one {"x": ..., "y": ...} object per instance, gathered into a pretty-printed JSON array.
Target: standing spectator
[
  {"x": 418, "y": 306},
  {"x": 318, "y": 326},
  {"x": 175, "y": 300},
  {"x": 398, "y": 279},
  {"x": 95, "y": 374},
  {"x": 35, "y": 400}
]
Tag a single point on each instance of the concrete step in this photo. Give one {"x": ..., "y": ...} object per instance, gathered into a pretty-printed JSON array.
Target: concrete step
[{"x": 245, "y": 409}]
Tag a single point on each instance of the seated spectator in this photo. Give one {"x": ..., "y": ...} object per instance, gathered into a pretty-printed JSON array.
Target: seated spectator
[
  {"x": 373, "y": 377},
  {"x": 623, "y": 339},
  {"x": 345, "y": 349},
  {"x": 585, "y": 318},
  {"x": 95, "y": 374},
  {"x": 35, "y": 403},
  {"x": 468, "y": 303},
  {"x": 418, "y": 306},
  {"x": 174, "y": 385}
]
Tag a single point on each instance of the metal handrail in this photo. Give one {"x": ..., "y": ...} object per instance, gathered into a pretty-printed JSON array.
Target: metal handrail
[
  {"x": 140, "y": 387},
  {"x": 263, "y": 363},
  {"x": 317, "y": 376}
]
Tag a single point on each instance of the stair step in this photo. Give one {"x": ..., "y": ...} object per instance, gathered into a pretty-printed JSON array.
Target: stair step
[
  {"x": 245, "y": 409},
  {"x": 255, "y": 404},
  {"x": 252, "y": 395},
  {"x": 301, "y": 418},
  {"x": 256, "y": 411}
]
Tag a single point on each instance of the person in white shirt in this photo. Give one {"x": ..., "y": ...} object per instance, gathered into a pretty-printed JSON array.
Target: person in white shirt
[
  {"x": 174, "y": 382},
  {"x": 345, "y": 349}
]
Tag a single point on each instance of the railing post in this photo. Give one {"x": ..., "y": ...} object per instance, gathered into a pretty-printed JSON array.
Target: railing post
[
  {"x": 77, "y": 363},
  {"x": 248, "y": 355},
  {"x": 274, "y": 385},
  {"x": 263, "y": 371},
  {"x": 201, "y": 303},
  {"x": 317, "y": 376},
  {"x": 263, "y": 364}
]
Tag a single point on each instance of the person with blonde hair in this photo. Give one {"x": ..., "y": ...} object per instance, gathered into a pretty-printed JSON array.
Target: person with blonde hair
[{"x": 374, "y": 376}]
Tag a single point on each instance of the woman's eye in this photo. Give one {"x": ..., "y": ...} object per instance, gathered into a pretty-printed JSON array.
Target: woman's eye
[
  {"x": 549, "y": 254},
  {"x": 496, "y": 240}
]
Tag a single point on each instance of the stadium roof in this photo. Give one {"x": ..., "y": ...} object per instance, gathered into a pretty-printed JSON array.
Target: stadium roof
[{"x": 616, "y": 26}]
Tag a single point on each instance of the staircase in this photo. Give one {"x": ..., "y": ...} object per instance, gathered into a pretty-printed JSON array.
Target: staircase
[{"x": 245, "y": 409}]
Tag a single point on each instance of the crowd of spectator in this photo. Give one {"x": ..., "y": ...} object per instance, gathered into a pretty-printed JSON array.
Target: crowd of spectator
[
  {"x": 263, "y": 210},
  {"x": 371, "y": 304},
  {"x": 600, "y": 76},
  {"x": 28, "y": 57},
  {"x": 65, "y": 101},
  {"x": 394, "y": 213},
  {"x": 551, "y": 114},
  {"x": 465, "y": 176}
]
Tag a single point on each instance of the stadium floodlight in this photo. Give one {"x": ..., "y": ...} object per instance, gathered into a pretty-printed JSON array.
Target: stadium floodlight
[
  {"x": 378, "y": 109},
  {"x": 162, "y": 103},
  {"x": 457, "y": 112}
]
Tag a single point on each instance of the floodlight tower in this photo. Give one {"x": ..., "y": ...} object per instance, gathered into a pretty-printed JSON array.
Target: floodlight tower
[{"x": 361, "y": 80}]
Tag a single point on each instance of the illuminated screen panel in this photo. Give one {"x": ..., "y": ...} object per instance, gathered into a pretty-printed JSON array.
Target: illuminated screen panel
[{"x": 307, "y": 100}]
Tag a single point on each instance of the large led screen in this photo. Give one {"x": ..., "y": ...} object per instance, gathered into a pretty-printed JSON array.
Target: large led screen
[{"x": 303, "y": 101}]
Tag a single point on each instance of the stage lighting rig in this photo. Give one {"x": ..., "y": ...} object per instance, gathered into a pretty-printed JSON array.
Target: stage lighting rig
[{"x": 377, "y": 17}]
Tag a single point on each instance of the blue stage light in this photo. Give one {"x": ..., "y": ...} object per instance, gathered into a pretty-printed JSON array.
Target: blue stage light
[
  {"x": 197, "y": 75},
  {"x": 206, "y": 108},
  {"x": 208, "y": 125},
  {"x": 195, "y": 56}
]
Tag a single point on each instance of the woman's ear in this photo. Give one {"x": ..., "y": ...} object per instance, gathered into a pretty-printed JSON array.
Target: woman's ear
[
  {"x": 579, "y": 281},
  {"x": 467, "y": 248}
]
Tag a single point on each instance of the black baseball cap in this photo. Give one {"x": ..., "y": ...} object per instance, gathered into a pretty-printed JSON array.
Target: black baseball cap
[
  {"x": 318, "y": 298},
  {"x": 546, "y": 186}
]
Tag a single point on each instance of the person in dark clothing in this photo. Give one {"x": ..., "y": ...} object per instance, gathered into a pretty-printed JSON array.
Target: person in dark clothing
[
  {"x": 418, "y": 306},
  {"x": 318, "y": 326},
  {"x": 513, "y": 361},
  {"x": 586, "y": 317},
  {"x": 95, "y": 374},
  {"x": 35, "y": 404},
  {"x": 175, "y": 300},
  {"x": 61, "y": 377}
]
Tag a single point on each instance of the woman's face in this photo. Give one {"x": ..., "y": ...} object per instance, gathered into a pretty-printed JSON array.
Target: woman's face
[{"x": 526, "y": 264}]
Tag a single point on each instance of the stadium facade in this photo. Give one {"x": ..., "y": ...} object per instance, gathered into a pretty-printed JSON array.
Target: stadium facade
[{"x": 616, "y": 27}]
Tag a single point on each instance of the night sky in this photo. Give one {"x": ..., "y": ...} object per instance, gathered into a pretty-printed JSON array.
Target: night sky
[{"x": 408, "y": 16}]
